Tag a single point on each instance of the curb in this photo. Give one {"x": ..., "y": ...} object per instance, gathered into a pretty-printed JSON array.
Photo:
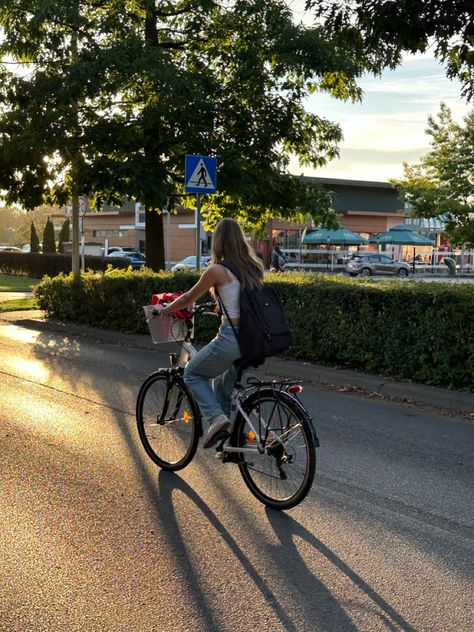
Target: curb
[{"x": 410, "y": 392}]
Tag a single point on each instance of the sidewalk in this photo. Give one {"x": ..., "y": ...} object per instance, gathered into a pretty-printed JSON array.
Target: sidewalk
[{"x": 275, "y": 367}]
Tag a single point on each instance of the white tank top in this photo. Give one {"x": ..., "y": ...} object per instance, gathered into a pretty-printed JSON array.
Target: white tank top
[{"x": 229, "y": 294}]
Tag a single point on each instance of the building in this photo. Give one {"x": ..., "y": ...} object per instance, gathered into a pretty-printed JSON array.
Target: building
[
  {"x": 125, "y": 226},
  {"x": 366, "y": 207}
]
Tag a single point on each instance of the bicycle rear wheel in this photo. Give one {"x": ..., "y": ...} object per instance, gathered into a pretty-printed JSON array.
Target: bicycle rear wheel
[
  {"x": 167, "y": 420},
  {"x": 282, "y": 475}
]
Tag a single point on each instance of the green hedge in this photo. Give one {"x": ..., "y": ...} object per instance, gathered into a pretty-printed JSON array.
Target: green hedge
[
  {"x": 411, "y": 330},
  {"x": 38, "y": 264}
]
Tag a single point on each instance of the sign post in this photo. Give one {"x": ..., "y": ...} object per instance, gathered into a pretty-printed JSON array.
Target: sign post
[
  {"x": 200, "y": 177},
  {"x": 82, "y": 210}
]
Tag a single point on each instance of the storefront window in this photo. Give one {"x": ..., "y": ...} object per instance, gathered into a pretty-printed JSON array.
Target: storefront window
[{"x": 110, "y": 233}]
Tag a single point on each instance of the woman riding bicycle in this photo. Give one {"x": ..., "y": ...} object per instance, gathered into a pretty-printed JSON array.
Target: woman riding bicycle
[{"x": 215, "y": 360}]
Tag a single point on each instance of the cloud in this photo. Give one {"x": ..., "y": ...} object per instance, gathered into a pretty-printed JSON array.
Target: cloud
[{"x": 388, "y": 127}]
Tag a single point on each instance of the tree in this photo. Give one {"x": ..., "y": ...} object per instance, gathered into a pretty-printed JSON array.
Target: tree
[
  {"x": 387, "y": 28},
  {"x": 117, "y": 94},
  {"x": 442, "y": 183},
  {"x": 34, "y": 241},
  {"x": 49, "y": 244},
  {"x": 64, "y": 235}
]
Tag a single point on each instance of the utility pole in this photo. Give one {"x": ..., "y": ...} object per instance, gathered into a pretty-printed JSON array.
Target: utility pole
[
  {"x": 75, "y": 234},
  {"x": 74, "y": 168}
]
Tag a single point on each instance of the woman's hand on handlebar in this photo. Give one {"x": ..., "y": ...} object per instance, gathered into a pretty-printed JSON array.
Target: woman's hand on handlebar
[{"x": 206, "y": 308}]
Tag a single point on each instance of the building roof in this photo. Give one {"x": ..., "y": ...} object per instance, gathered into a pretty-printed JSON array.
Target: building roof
[{"x": 368, "y": 184}]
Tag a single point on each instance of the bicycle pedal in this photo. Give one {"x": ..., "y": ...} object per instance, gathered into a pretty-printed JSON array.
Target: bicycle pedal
[
  {"x": 221, "y": 439},
  {"x": 220, "y": 456}
]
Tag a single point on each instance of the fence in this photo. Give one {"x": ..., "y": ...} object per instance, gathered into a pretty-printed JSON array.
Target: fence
[{"x": 335, "y": 260}]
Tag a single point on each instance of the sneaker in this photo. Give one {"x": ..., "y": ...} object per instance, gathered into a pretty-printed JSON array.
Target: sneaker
[{"x": 219, "y": 424}]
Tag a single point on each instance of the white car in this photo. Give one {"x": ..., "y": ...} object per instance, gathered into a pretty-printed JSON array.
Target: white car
[
  {"x": 10, "y": 249},
  {"x": 124, "y": 249},
  {"x": 189, "y": 264}
]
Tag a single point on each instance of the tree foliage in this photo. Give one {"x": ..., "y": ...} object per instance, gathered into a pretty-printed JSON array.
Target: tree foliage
[
  {"x": 387, "y": 28},
  {"x": 117, "y": 93},
  {"x": 34, "y": 240},
  {"x": 442, "y": 183},
  {"x": 49, "y": 243}
]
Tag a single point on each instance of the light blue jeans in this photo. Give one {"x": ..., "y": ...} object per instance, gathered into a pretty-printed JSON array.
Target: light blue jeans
[{"x": 214, "y": 362}]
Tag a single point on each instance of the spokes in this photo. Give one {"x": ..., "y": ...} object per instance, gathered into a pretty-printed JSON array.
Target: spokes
[
  {"x": 167, "y": 421},
  {"x": 281, "y": 470}
]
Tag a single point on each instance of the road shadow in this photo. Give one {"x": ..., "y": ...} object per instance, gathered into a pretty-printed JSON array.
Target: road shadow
[
  {"x": 288, "y": 530},
  {"x": 168, "y": 483},
  {"x": 308, "y": 592}
]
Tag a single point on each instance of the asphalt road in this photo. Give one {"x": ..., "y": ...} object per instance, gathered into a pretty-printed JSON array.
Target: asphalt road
[{"x": 94, "y": 537}]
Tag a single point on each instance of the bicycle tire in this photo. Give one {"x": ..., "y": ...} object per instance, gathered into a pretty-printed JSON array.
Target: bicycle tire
[
  {"x": 266, "y": 474},
  {"x": 168, "y": 420}
]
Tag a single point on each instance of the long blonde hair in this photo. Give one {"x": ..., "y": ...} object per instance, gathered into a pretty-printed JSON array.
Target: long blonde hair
[{"x": 229, "y": 243}]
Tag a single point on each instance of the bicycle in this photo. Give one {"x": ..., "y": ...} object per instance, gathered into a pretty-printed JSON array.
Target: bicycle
[{"x": 272, "y": 437}]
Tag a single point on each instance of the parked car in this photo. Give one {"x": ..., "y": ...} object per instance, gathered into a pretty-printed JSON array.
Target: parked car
[
  {"x": 189, "y": 263},
  {"x": 367, "y": 264},
  {"x": 126, "y": 249},
  {"x": 137, "y": 260},
  {"x": 9, "y": 249}
]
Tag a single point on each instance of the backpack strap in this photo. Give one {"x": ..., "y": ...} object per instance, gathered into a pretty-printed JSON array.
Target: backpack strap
[
  {"x": 221, "y": 303},
  {"x": 232, "y": 267},
  {"x": 235, "y": 271}
]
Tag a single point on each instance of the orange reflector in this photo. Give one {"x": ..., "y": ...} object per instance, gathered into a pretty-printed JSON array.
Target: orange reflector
[
  {"x": 295, "y": 389},
  {"x": 186, "y": 417},
  {"x": 251, "y": 436}
]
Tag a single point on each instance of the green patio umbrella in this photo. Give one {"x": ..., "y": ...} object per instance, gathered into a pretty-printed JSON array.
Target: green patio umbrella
[
  {"x": 402, "y": 235},
  {"x": 339, "y": 237}
]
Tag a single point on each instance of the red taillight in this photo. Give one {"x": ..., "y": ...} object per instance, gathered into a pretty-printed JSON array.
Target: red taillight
[{"x": 295, "y": 389}]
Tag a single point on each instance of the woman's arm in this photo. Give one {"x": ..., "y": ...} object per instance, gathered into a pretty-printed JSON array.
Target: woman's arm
[{"x": 209, "y": 277}]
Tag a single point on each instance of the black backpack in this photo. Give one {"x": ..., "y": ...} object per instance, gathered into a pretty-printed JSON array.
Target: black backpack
[{"x": 264, "y": 329}]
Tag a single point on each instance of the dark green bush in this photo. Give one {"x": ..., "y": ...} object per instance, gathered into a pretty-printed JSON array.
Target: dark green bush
[
  {"x": 417, "y": 331},
  {"x": 49, "y": 243},
  {"x": 37, "y": 264},
  {"x": 34, "y": 239}
]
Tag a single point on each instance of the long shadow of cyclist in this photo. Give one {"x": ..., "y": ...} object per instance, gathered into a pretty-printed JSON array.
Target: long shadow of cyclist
[
  {"x": 288, "y": 530},
  {"x": 169, "y": 482}
]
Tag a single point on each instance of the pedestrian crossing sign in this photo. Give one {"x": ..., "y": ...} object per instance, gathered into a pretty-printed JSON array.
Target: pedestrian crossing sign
[{"x": 200, "y": 174}]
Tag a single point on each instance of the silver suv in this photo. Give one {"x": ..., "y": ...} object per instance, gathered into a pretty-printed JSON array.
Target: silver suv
[{"x": 367, "y": 264}]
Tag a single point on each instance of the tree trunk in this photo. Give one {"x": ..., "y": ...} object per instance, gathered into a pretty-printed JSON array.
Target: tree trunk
[
  {"x": 154, "y": 234},
  {"x": 154, "y": 237}
]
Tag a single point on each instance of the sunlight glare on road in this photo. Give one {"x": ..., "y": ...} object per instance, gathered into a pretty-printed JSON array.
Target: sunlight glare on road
[
  {"x": 29, "y": 369},
  {"x": 19, "y": 333}
]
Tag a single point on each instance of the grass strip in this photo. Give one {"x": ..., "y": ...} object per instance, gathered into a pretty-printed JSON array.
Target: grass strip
[
  {"x": 12, "y": 283},
  {"x": 18, "y": 305}
]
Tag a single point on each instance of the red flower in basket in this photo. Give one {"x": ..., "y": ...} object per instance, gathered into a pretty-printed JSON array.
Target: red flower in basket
[{"x": 168, "y": 297}]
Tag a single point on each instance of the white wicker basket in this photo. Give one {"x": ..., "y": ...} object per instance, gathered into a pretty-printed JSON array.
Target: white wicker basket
[{"x": 163, "y": 327}]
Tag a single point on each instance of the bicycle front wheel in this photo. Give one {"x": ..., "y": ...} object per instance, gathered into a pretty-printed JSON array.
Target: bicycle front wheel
[
  {"x": 167, "y": 420},
  {"x": 282, "y": 475}
]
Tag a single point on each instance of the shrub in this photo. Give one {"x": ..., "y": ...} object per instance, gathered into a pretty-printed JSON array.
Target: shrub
[
  {"x": 417, "y": 331},
  {"x": 64, "y": 235},
  {"x": 34, "y": 239},
  {"x": 38, "y": 265},
  {"x": 49, "y": 244}
]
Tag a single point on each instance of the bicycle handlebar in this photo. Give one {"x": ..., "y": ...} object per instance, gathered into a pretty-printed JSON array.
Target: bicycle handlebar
[{"x": 203, "y": 308}]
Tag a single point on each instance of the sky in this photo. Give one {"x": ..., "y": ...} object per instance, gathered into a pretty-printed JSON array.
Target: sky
[{"x": 388, "y": 127}]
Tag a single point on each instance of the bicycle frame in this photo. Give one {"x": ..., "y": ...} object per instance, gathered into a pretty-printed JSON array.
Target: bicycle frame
[
  {"x": 239, "y": 394},
  {"x": 272, "y": 438}
]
